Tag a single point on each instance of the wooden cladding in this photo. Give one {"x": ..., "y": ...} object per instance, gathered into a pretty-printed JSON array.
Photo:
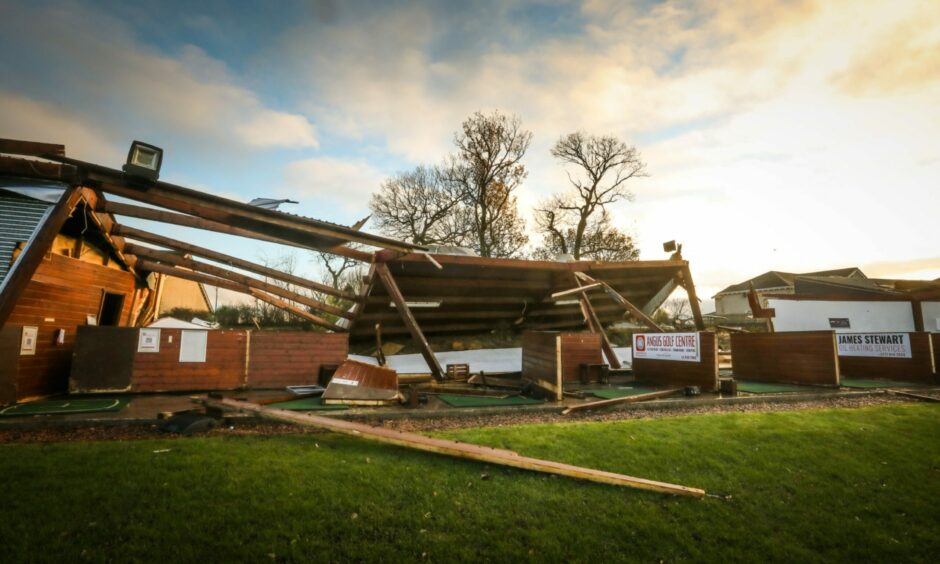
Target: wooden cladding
[
  {"x": 921, "y": 367},
  {"x": 799, "y": 357},
  {"x": 550, "y": 358},
  {"x": 703, "y": 374},
  {"x": 234, "y": 359}
]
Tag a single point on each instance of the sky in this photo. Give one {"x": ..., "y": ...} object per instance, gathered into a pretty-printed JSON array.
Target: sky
[{"x": 793, "y": 136}]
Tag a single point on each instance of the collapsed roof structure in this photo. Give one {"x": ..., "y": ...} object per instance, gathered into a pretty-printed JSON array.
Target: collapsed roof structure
[{"x": 408, "y": 289}]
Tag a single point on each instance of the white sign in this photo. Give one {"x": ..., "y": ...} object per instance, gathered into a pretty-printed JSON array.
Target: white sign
[
  {"x": 883, "y": 345},
  {"x": 28, "y": 342},
  {"x": 345, "y": 381},
  {"x": 684, "y": 347},
  {"x": 148, "y": 341},
  {"x": 193, "y": 346}
]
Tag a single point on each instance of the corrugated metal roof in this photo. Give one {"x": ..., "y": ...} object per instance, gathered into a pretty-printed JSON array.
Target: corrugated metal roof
[{"x": 20, "y": 217}]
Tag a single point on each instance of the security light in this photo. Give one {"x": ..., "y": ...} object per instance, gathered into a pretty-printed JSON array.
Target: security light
[
  {"x": 143, "y": 161},
  {"x": 669, "y": 246}
]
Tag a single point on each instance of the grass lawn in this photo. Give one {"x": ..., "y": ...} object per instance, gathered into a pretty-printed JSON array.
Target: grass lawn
[{"x": 846, "y": 485}]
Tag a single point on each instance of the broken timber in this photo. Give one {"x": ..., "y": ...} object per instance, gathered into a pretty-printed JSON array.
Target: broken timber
[
  {"x": 624, "y": 302},
  {"x": 451, "y": 448},
  {"x": 615, "y": 401}
]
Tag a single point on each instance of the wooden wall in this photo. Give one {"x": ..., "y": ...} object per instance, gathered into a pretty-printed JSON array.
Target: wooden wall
[
  {"x": 578, "y": 349},
  {"x": 800, "y": 357},
  {"x": 919, "y": 368},
  {"x": 10, "y": 337},
  {"x": 60, "y": 295},
  {"x": 703, "y": 374},
  {"x": 541, "y": 361},
  {"x": 234, "y": 359},
  {"x": 285, "y": 358},
  {"x": 935, "y": 345}
]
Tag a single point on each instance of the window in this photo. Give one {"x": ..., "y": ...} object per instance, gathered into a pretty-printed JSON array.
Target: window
[{"x": 110, "y": 311}]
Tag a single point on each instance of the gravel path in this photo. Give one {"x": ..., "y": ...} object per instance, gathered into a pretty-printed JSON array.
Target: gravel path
[{"x": 252, "y": 427}]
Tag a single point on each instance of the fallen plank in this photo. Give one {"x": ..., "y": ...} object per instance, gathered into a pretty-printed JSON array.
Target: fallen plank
[
  {"x": 913, "y": 396},
  {"x": 627, "y": 399},
  {"x": 450, "y": 448}
]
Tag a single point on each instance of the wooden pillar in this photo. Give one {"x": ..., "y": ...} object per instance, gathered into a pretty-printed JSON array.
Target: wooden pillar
[
  {"x": 408, "y": 319},
  {"x": 594, "y": 323},
  {"x": 693, "y": 298}
]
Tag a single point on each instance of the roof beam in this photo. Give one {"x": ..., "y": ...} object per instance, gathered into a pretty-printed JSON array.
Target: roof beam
[
  {"x": 144, "y": 264},
  {"x": 408, "y": 319},
  {"x": 635, "y": 311},
  {"x": 177, "y": 260},
  {"x": 231, "y": 261}
]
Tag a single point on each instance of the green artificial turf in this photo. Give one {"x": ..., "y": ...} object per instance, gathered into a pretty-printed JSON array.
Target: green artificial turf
[
  {"x": 620, "y": 392},
  {"x": 772, "y": 388},
  {"x": 455, "y": 400},
  {"x": 863, "y": 383},
  {"x": 306, "y": 404},
  {"x": 52, "y": 407},
  {"x": 838, "y": 485}
]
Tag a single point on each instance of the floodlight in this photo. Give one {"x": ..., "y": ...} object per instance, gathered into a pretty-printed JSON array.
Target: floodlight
[
  {"x": 669, "y": 246},
  {"x": 143, "y": 161}
]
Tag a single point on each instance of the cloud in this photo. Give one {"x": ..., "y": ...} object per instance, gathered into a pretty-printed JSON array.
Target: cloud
[
  {"x": 125, "y": 87},
  {"x": 339, "y": 181}
]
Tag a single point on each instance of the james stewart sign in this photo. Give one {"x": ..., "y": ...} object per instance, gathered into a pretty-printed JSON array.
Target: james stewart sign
[
  {"x": 685, "y": 347},
  {"x": 884, "y": 345}
]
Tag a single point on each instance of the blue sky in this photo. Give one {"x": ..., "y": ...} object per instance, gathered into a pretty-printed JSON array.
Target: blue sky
[{"x": 779, "y": 135}]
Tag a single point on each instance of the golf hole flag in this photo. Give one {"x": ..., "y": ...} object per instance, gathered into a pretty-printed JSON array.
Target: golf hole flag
[
  {"x": 686, "y": 347},
  {"x": 883, "y": 345}
]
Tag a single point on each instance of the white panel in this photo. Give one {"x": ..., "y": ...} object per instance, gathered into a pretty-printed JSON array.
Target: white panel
[
  {"x": 864, "y": 317},
  {"x": 148, "y": 341},
  {"x": 193, "y": 346},
  {"x": 931, "y": 312}
]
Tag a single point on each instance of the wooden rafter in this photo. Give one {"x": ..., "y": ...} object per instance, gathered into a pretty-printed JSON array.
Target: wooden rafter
[
  {"x": 234, "y": 262},
  {"x": 693, "y": 298},
  {"x": 408, "y": 319},
  {"x": 632, "y": 309},
  {"x": 594, "y": 323},
  {"x": 178, "y": 260},
  {"x": 152, "y": 266}
]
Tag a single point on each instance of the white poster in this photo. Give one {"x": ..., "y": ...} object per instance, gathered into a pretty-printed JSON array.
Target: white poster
[
  {"x": 193, "y": 346},
  {"x": 684, "y": 347},
  {"x": 883, "y": 345},
  {"x": 148, "y": 341},
  {"x": 28, "y": 342}
]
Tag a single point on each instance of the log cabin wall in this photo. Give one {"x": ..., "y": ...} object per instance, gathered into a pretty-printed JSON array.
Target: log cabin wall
[
  {"x": 578, "y": 349},
  {"x": 60, "y": 295},
  {"x": 223, "y": 369},
  {"x": 290, "y": 358}
]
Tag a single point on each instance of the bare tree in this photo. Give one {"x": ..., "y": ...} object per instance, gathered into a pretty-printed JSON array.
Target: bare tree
[
  {"x": 421, "y": 207},
  {"x": 603, "y": 166},
  {"x": 601, "y": 240},
  {"x": 487, "y": 169}
]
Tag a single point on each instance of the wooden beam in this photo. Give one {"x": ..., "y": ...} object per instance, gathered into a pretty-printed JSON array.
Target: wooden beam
[
  {"x": 450, "y": 448},
  {"x": 28, "y": 261},
  {"x": 151, "y": 266},
  {"x": 231, "y": 261},
  {"x": 693, "y": 298},
  {"x": 594, "y": 323},
  {"x": 408, "y": 319},
  {"x": 184, "y": 220},
  {"x": 632, "y": 309},
  {"x": 580, "y": 290},
  {"x": 178, "y": 260},
  {"x": 14, "y": 166},
  {"x": 616, "y": 401},
  {"x": 31, "y": 148}
]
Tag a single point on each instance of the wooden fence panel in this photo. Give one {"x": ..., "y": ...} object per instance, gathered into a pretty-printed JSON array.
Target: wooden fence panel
[
  {"x": 703, "y": 374},
  {"x": 798, "y": 357},
  {"x": 921, "y": 367},
  {"x": 541, "y": 361}
]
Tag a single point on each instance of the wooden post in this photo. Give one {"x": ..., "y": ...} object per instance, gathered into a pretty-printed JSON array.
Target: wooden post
[
  {"x": 29, "y": 260},
  {"x": 408, "y": 319},
  {"x": 624, "y": 302},
  {"x": 693, "y": 298},
  {"x": 594, "y": 323}
]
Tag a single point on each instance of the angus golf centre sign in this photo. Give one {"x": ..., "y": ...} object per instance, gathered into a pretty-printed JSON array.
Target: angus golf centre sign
[
  {"x": 883, "y": 345},
  {"x": 685, "y": 347}
]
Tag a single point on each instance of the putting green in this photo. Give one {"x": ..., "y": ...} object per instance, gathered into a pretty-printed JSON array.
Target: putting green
[
  {"x": 306, "y": 404},
  {"x": 57, "y": 407},
  {"x": 772, "y": 388},
  {"x": 477, "y": 401},
  {"x": 621, "y": 392},
  {"x": 863, "y": 383}
]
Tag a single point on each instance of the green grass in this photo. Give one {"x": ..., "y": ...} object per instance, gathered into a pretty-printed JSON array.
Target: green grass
[{"x": 829, "y": 485}]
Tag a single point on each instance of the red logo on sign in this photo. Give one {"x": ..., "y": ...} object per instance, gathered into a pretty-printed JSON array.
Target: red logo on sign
[{"x": 640, "y": 343}]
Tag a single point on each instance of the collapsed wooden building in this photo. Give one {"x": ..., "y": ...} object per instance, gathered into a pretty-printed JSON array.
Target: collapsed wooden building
[{"x": 409, "y": 289}]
